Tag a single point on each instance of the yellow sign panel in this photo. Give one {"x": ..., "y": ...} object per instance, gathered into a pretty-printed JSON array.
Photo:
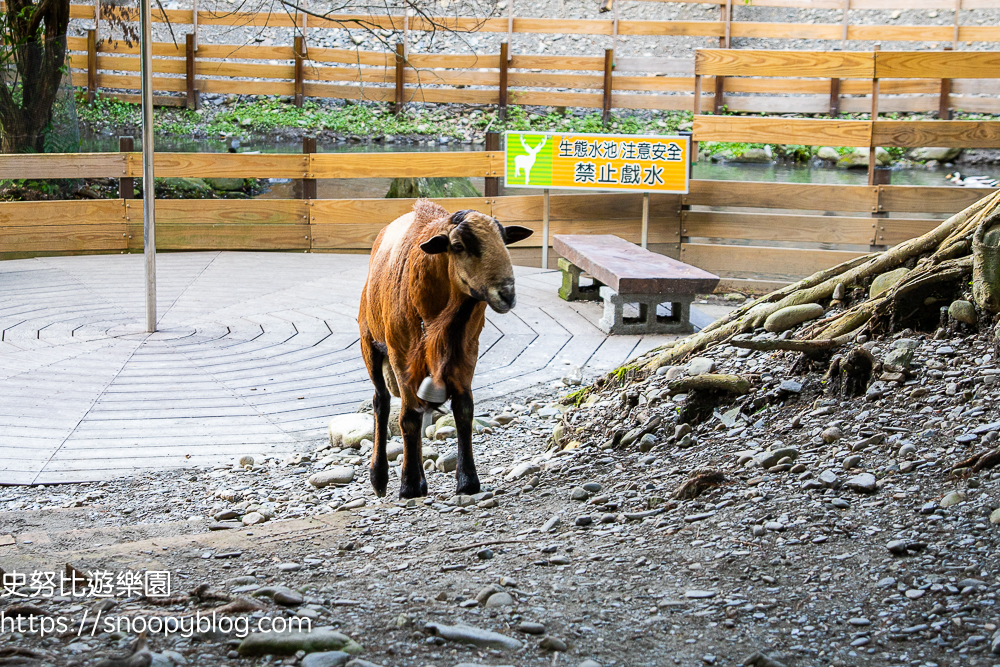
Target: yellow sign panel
[{"x": 597, "y": 161}]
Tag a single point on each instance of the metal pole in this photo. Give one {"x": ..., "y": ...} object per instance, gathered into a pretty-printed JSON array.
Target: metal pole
[
  {"x": 148, "y": 226},
  {"x": 545, "y": 229},
  {"x": 645, "y": 219}
]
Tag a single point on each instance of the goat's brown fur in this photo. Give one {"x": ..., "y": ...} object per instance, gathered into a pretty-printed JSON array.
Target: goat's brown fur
[{"x": 430, "y": 278}]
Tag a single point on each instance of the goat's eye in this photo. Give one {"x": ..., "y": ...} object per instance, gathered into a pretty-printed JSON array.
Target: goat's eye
[{"x": 457, "y": 247}]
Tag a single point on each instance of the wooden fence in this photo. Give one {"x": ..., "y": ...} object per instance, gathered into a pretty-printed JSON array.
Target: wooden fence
[
  {"x": 600, "y": 81},
  {"x": 740, "y": 230}
]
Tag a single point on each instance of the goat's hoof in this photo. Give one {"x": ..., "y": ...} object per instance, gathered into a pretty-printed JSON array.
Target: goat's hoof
[
  {"x": 431, "y": 392},
  {"x": 410, "y": 490},
  {"x": 379, "y": 479},
  {"x": 468, "y": 485}
]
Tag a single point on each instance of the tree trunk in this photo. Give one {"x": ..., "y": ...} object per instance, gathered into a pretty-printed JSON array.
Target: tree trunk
[{"x": 34, "y": 51}]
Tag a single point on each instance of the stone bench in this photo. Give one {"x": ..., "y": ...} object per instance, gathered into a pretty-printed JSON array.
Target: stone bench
[{"x": 623, "y": 274}]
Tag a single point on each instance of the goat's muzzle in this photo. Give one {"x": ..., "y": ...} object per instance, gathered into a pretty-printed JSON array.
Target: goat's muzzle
[{"x": 502, "y": 298}]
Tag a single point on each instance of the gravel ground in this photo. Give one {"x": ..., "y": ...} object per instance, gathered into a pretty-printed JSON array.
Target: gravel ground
[{"x": 831, "y": 533}]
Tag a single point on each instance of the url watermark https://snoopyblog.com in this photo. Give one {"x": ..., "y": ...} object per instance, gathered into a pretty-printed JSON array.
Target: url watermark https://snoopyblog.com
[{"x": 131, "y": 585}]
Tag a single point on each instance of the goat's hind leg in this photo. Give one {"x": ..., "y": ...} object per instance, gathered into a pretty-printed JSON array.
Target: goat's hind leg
[
  {"x": 412, "y": 484},
  {"x": 378, "y": 472}
]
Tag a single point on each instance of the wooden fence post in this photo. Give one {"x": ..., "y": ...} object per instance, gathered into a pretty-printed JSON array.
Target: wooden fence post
[
  {"x": 126, "y": 186},
  {"x": 944, "y": 102},
  {"x": 834, "y": 97},
  {"x": 609, "y": 63},
  {"x": 299, "y": 50},
  {"x": 400, "y": 77},
  {"x": 190, "y": 45},
  {"x": 492, "y": 187},
  {"x": 502, "y": 101},
  {"x": 720, "y": 81},
  {"x": 309, "y": 184},
  {"x": 871, "y": 147},
  {"x": 697, "y": 110},
  {"x": 91, "y": 65}
]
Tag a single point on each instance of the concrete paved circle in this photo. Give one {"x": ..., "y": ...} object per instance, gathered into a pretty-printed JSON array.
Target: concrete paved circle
[{"x": 255, "y": 352}]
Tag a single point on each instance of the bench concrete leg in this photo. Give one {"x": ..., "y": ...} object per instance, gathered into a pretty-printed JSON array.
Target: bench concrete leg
[
  {"x": 571, "y": 290},
  {"x": 615, "y": 322}
]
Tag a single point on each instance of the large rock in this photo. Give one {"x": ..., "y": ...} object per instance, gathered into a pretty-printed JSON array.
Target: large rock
[
  {"x": 933, "y": 153},
  {"x": 962, "y": 311},
  {"x": 828, "y": 154},
  {"x": 326, "y": 659},
  {"x": 412, "y": 188},
  {"x": 465, "y": 634},
  {"x": 187, "y": 185},
  {"x": 858, "y": 158},
  {"x": 863, "y": 483},
  {"x": 786, "y": 318},
  {"x": 225, "y": 184},
  {"x": 350, "y": 430},
  {"x": 886, "y": 280},
  {"x": 754, "y": 156},
  {"x": 770, "y": 458},
  {"x": 337, "y": 475},
  {"x": 290, "y": 642}
]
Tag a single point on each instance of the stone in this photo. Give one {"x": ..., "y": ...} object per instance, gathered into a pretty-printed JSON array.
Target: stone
[
  {"x": 786, "y": 318},
  {"x": 770, "y": 458},
  {"x": 700, "y": 366},
  {"x": 828, "y": 478},
  {"x": 349, "y": 430},
  {"x": 934, "y": 153},
  {"x": 899, "y": 358},
  {"x": 790, "y": 386},
  {"x": 863, "y": 483},
  {"x": 551, "y": 643},
  {"x": 951, "y": 499},
  {"x": 393, "y": 449},
  {"x": 253, "y": 518},
  {"x": 530, "y": 628},
  {"x": 584, "y": 520},
  {"x": 484, "y": 554},
  {"x": 410, "y": 188},
  {"x": 551, "y": 525},
  {"x": 699, "y": 594},
  {"x": 292, "y": 641},
  {"x": 466, "y": 634},
  {"x": 445, "y": 432},
  {"x": 647, "y": 442},
  {"x": 962, "y": 311},
  {"x": 246, "y": 461},
  {"x": 831, "y": 434},
  {"x": 288, "y": 597},
  {"x": 897, "y": 547},
  {"x": 501, "y": 599},
  {"x": 326, "y": 659},
  {"x": 336, "y": 476},
  {"x": 579, "y": 493},
  {"x": 885, "y": 281},
  {"x": 753, "y": 156},
  {"x": 447, "y": 462},
  {"x": 590, "y": 663},
  {"x": 852, "y": 461},
  {"x": 995, "y": 516},
  {"x": 521, "y": 470},
  {"x": 225, "y": 184},
  {"x": 828, "y": 154}
]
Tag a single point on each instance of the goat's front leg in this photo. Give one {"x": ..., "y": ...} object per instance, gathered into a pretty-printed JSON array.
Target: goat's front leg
[
  {"x": 464, "y": 409},
  {"x": 413, "y": 484}
]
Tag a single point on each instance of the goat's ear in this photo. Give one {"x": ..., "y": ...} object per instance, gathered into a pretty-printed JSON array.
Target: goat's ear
[
  {"x": 515, "y": 233},
  {"x": 435, "y": 244}
]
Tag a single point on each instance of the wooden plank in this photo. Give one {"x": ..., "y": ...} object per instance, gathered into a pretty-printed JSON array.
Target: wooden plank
[
  {"x": 551, "y": 98},
  {"x": 805, "y": 196},
  {"x": 630, "y": 229},
  {"x": 929, "y": 199},
  {"x": 257, "y": 52},
  {"x": 39, "y": 214},
  {"x": 581, "y": 207},
  {"x": 230, "y": 211},
  {"x": 355, "y": 223},
  {"x": 72, "y": 238},
  {"x": 222, "y": 165},
  {"x": 219, "y": 236},
  {"x": 892, "y": 231},
  {"x": 655, "y": 64},
  {"x": 468, "y": 61},
  {"x": 348, "y": 92},
  {"x": 749, "y": 62},
  {"x": 676, "y": 28},
  {"x": 450, "y": 96},
  {"x": 576, "y": 63},
  {"x": 127, "y": 82},
  {"x": 779, "y": 227},
  {"x": 938, "y": 64},
  {"x": 63, "y": 165},
  {"x": 246, "y": 87},
  {"x": 946, "y": 133},
  {"x": 405, "y": 165},
  {"x": 783, "y": 130},
  {"x": 739, "y": 261},
  {"x": 629, "y": 269}
]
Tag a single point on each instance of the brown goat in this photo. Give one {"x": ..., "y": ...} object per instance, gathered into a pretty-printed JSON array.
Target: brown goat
[{"x": 430, "y": 277}]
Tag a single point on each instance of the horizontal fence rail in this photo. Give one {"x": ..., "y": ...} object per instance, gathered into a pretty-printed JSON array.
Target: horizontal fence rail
[
  {"x": 759, "y": 233},
  {"x": 303, "y": 70}
]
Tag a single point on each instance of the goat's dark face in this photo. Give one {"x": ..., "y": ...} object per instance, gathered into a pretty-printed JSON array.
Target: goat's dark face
[{"x": 478, "y": 258}]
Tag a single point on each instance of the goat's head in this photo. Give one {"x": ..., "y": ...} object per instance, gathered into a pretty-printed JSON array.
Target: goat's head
[{"x": 478, "y": 259}]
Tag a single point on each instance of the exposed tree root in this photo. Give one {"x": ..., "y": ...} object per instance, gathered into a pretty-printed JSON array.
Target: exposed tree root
[{"x": 699, "y": 481}]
